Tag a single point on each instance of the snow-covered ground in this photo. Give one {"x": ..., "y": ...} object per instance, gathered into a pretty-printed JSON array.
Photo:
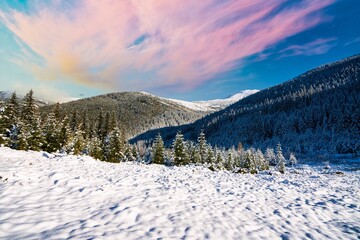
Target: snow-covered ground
[{"x": 46, "y": 196}]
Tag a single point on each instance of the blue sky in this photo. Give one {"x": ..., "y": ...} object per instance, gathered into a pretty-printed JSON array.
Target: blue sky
[{"x": 192, "y": 51}]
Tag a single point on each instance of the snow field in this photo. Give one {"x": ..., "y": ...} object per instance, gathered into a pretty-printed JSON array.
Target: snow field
[{"x": 49, "y": 196}]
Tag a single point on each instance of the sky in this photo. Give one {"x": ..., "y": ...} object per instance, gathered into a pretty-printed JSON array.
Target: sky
[{"x": 190, "y": 50}]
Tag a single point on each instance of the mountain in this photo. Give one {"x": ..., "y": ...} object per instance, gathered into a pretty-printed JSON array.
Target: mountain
[
  {"x": 215, "y": 104},
  {"x": 137, "y": 112},
  {"x": 6, "y": 95},
  {"x": 140, "y": 111},
  {"x": 316, "y": 112}
]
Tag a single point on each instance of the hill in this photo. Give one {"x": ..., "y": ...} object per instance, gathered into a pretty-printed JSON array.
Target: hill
[
  {"x": 138, "y": 112},
  {"x": 316, "y": 112}
]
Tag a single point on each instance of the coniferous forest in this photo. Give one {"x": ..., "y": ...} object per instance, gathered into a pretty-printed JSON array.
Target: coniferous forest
[{"x": 23, "y": 127}]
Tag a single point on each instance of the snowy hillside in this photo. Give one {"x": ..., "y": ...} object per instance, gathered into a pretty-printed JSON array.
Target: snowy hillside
[
  {"x": 46, "y": 196},
  {"x": 215, "y": 104}
]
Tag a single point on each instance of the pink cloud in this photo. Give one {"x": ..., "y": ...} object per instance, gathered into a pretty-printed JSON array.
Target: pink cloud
[
  {"x": 316, "y": 47},
  {"x": 184, "y": 43}
]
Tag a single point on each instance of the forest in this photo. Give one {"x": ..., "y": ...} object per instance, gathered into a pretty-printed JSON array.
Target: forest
[{"x": 23, "y": 127}]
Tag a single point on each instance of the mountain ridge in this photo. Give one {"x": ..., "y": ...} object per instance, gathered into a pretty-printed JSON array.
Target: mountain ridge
[{"x": 310, "y": 113}]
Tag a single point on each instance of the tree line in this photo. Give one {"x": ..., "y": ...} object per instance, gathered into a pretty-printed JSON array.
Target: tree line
[{"x": 23, "y": 127}]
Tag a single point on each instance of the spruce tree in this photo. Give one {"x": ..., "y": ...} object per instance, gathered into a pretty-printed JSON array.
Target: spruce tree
[
  {"x": 114, "y": 151},
  {"x": 270, "y": 156},
  {"x": 292, "y": 159},
  {"x": 52, "y": 134},
  {"x": 11, "y": 118},
  {"x": 179, "y": 152},
  {"x": 229, "y": 162},
  {"x": 2, "y": 124},
  {"x": 280, "y": 159},
  {"x": 95, "y": 149},
  {"x": 30, "y": 136},
  {"x": 202, "y": 146},
  {"x": 210, "y": 158},
  {"x": 158, "y": 150}
]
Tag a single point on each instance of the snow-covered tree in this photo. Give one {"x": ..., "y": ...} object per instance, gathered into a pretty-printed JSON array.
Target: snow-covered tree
[
  {"x": 280, "y": 159},
  {"x": 95, "y": 148},
  {"x": 229, "y": 162},
  {"x": 158, "y": 150},
  {"x": 292, "y": 159},
  {"x": 180, "y": 156},
  {"x": 115, "y": 148},
  {"x": 270, "y": 156},
  {"x": 202, "y": 146},
  {"x": 52, "y": 134},
  {"x": 30, "y": 131},
  {"x": 9, "y": 126}
]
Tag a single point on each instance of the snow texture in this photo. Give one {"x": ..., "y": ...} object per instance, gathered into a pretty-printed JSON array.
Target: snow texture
[{"x": 53, "y": 196}]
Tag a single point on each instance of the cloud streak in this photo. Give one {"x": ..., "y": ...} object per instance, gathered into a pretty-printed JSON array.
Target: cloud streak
[{"x": 137, "y": 45}]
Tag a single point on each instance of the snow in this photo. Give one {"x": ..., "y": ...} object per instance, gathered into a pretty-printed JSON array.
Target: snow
[
  {"x": 210, "y": 105},
  {"x": 54, "y": 196}
]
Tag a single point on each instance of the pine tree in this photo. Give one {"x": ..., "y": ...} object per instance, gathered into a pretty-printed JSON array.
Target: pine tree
[
  {"x": 79, "y": 143},
  {"x": 85, "y": 125},
  {"x": 30, "y": 136},
  {"x": 210, "y": 158},
  {"x": 95, "y": 149},
  {"x": 65, "y": 133},
  {"x": 229, "y": 162},
  {"x": 9, "y": 126},
  {"x": 202, "y": 146},
  {"x": 73, "y": 122},
  {"x": 2, "y": 123},
  {"x": 52, "y": 134},
  {"x": 158, "y": 150},
  {"x": 179, "y": 152},
  {"x": 270, "y": 156},
  {"x": 292, "y": 159},
  {"x": 99, "y": 126},
  {"x": 280, "y": 159},
  {"x": 114, "y": 151},
  {"x": 263, "y": 163}
]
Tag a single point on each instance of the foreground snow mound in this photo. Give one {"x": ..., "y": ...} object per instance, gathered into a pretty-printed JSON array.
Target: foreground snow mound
[{"x": 46, "y": 196}]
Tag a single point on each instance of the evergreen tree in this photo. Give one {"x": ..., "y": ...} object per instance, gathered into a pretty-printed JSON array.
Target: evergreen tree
[
  {"x": 292, "y": 159},
  {"x": 280, "y": 159},
  {"x": 73, "y": 123},
  {"x": 79, "y": 143},
  {"x": 99, "y": 127},
  {"x": 52, "y": 134},
  {"x": 2, "y": 123},
  {"x": 30, "y": 136},
  {"x": 210, "y": 158},
  {"x": 229, "y": 162},
  {"x": 270, "y": 156},
  {"x": 65, "y": 133},
  {"x": 179, "y": 152},
  {"x": 85, "y": 125},
  {"x": 9, "y": 126},
  {"x": 95, "y": 149},
  {"x": 158, "y": 150},
  {"x": 115, "y": 148},
  {"x": 202, "y": 146}
]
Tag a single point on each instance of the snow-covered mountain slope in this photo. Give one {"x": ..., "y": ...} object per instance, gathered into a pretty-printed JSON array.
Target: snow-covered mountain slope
[
  {"x": 212, "y": 105},
  {"x": 47, "y": 196},
  {"x": 317, "y": 112}
]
